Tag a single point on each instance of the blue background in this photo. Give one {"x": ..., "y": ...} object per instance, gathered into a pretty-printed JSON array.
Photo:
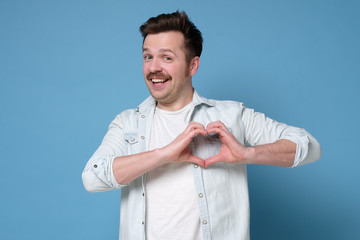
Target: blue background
[{"x": 68, "y": 67}]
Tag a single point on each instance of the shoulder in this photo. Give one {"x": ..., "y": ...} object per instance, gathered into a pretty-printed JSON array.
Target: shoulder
[
  {"x": 224, "y": 105},
  {"x": 146, "y": 106},
  {"x": 129, "y": 115}
]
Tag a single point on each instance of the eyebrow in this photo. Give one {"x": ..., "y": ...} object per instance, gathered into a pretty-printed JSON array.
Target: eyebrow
[{"x": 162, "y": 50}]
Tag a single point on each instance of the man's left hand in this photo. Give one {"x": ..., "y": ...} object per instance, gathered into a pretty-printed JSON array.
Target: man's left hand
[{"x": 231, "y": 151}]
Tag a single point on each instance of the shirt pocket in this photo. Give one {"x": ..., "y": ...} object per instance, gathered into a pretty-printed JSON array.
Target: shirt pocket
[{"x": 131, "y": 142}]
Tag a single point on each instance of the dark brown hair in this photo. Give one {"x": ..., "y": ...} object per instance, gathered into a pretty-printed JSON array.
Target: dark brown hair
[{"x": 177, "y": 21}]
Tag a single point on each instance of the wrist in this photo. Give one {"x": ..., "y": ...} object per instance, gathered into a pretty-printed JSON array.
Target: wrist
[
  {"x": 161, "y": 155},
  {"x": 249, "y": 155}
]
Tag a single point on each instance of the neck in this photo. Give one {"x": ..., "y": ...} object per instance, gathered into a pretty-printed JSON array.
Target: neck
[{"x": 176, "y": 104}]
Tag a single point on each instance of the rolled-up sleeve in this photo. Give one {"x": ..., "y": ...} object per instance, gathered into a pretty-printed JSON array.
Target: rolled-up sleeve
[
  {"x": 260, "y": 129},
  {"x": 98, "y": 174}
]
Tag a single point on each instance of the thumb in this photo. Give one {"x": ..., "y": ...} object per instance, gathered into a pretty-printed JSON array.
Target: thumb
[
  {"x": 197, "y": 160},
  {"x": 211, "y": 160}
]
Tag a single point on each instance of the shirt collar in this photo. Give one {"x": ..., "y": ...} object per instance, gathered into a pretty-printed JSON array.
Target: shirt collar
[{"x": 150, "y": 102}]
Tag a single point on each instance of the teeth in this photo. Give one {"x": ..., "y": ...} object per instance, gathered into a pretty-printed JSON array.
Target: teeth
[{"x": 158, "y": 80}]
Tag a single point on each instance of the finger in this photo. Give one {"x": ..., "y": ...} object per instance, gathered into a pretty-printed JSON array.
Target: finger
[
  {"x": 221, "y": 132},
  {"x": 184, "y": 139},
  {"x": 212, "y": 160},
  {"x": 197, "y": 160},
  {"x": 193, "y": 126},
  {"x": 217, "y": 124},
  {"x": 196, "y": 131}
]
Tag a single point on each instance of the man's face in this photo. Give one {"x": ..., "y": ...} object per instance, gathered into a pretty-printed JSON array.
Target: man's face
[{"x": 166, "y": 72}]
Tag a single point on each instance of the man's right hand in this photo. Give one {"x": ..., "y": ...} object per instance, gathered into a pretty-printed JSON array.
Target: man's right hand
[
  {"x": 128, "y": 168},
  {"x": 179, "y": 151}
]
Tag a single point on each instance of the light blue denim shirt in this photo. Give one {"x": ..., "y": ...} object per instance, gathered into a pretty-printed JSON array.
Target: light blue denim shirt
[{"x": 222, "y": 188}]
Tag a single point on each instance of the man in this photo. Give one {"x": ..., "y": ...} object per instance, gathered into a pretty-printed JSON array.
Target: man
[{"x": 180, "y": 159}]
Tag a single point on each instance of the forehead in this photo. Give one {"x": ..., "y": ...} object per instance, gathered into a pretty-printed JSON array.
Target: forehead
[{"x": 165, "y": 40}]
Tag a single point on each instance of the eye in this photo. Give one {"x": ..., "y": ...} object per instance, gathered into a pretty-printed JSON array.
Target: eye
[
  {"x": 168, "y": 59},
  {"x": 147, "y": 57}
]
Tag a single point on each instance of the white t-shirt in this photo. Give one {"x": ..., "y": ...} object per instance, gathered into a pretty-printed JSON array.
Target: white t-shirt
[{"x": 172, "y": 206}]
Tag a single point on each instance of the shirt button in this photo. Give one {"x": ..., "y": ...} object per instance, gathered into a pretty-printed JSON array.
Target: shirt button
[
  {"x": 143, "y": 223},
  {"x": 133, "y": 139},
  {"x": 143, "y": 194},
  {"x": 95, "y": 166},
  {"x": 195, "y": 166},
  {"x": 205, "y": 222},
  {"x": 142, "y": 116},
  {"x": 142, "y": 137},
  {"x": 200, "y": 195}
]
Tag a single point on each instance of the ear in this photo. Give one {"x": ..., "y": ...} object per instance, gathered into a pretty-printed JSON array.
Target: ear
[{"x": 194, "y": 65}]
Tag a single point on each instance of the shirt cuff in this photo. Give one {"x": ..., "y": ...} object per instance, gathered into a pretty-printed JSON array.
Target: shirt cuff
[
  {"x": 302, "y": 147},
  {"x": 103, "y": 169}
]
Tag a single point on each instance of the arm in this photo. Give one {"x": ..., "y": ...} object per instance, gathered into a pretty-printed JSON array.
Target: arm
[
  {"x": 97, "y": 175},
  {"x": 128, "y": 168},
  {"x": 261, "y": 130},
  {"x": 279, "y": 153},
  {"x": 290, "y": 147},
  {"x": 109, "y": 169}
]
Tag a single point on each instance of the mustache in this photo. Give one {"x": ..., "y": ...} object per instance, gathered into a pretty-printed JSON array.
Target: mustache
[{"x": 157, "y": 75}]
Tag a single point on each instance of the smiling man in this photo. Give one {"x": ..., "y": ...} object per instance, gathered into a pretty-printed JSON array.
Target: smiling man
[
  {"x": 180, "y": 159},
  {"x": 167, "y": 71}
]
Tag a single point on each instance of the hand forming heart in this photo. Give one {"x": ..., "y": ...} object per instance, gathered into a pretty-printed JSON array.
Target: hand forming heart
[{"x": 231, "y": 150}]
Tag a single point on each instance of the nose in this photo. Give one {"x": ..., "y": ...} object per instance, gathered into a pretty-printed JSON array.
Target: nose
[{"x": 155, "y": 65}]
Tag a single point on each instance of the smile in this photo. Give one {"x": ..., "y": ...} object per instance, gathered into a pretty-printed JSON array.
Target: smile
[{"x": 158, "y": 80}]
